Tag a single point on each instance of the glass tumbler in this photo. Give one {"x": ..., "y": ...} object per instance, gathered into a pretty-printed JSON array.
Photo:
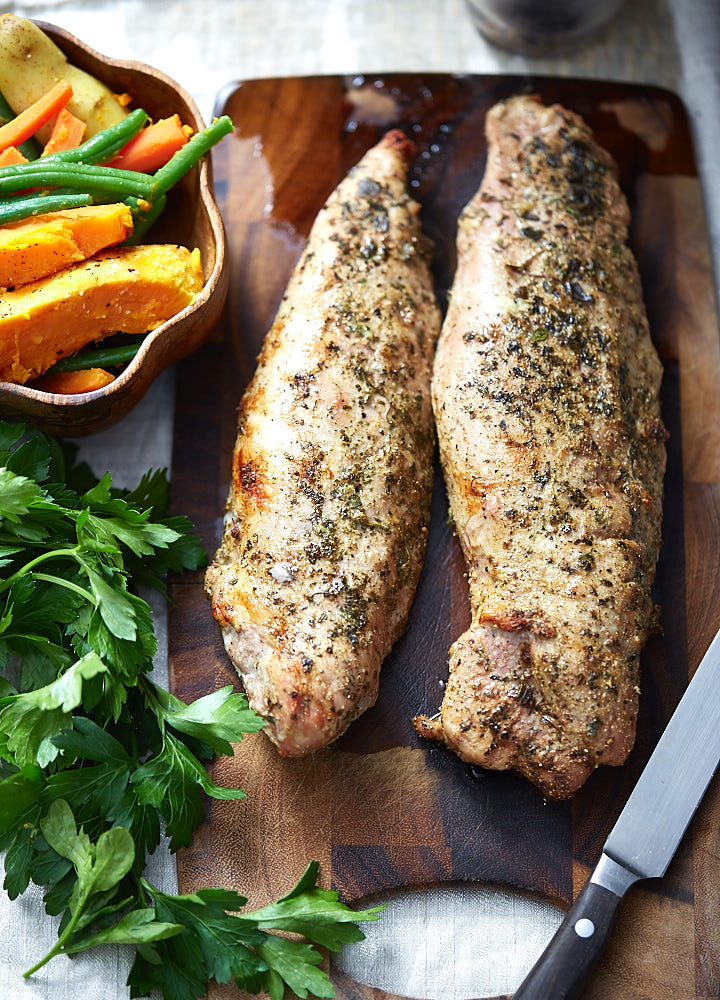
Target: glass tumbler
[{"x": 540, "y": 27}]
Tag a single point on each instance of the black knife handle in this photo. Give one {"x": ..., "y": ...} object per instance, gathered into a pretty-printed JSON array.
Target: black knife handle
[{"x": 561, "y": 970}]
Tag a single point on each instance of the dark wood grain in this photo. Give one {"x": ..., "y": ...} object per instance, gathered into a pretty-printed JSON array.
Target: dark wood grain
[{"x": 381, "y": 808}]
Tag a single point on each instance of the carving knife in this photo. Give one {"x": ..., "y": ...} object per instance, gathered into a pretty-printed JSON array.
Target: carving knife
[{"x": 644, "y": 839}]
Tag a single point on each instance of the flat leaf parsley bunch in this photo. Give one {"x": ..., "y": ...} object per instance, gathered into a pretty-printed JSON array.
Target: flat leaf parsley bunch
[{"x": 94, "y": 754}]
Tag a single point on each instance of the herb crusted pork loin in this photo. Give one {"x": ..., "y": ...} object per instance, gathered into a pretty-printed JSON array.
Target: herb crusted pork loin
[
  {"x": 332, "y": 470},
  {"x": 545, "y": 392}
]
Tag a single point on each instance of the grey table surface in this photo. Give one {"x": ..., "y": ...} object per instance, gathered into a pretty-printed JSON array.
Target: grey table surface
[{"x": 458, "y": 942}]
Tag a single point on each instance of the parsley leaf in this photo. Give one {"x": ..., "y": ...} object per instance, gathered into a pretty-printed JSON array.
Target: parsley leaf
[
  {"x": 216, "y": 719},
  {"x": 10, "y": 436},
  {"x": 295, "y": 963},
  {"x": 93, "y": 754},
  {"x": 223, "y": 938},
  {"x": 17, "y": 862},
  {"x": 19, "y": 797},
  {"x": 99, "y": 867},
  {"x": 315, "y": 913},
  {"x": 87, "y": 741},
  {"x": 17, "y": 494},
  {"x": 225, "y": 945},
  {"x": 29, "y": 720},
  {"x": 136, "y": 927},
  {"x": 175, "y": 967},
  {"x": 173, "y": 781}
]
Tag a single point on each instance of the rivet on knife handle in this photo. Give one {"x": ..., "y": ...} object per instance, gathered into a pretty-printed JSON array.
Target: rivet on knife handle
[{"x": 561, "y": 970}]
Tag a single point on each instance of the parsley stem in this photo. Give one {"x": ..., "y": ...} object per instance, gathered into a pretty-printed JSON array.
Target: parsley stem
[
  {"x": 68, "y": 584},
  {"x": 29, "y": 566},
  {"x": 59, "y": 944}
]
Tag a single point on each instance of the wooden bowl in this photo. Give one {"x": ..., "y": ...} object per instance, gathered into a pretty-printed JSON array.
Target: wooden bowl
[{"x": 191, "y": 218}]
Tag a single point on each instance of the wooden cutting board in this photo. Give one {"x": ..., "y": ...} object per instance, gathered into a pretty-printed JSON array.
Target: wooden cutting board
[{"x": 381, "y": 808}]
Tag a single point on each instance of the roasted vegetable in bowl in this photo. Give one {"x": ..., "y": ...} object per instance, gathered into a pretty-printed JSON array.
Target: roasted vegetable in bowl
[{"x": 65, "y": 201}]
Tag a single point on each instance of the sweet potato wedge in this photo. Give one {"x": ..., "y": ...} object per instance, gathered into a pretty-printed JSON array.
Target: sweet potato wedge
[
  {"x": 126, "y": 290},
  {"x": 70, "y": 383},
  {"x": 34, "y": 248}
]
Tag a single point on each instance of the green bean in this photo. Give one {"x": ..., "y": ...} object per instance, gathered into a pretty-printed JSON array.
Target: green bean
[
  {"x": 144, "y": 215},
  {"x": 88, "y": 177},
  {"x": 190, "y": 154},
  {"x": 96, "y": 357},
  {"x": 21, "y": 170},
  {"x": 98, "y": 197},
  {"x": 24, "y": 208},
  {"x": 104, "y": 145},
  {"x": 30, "y": 149},
  {"x": 72, "y": 178}
]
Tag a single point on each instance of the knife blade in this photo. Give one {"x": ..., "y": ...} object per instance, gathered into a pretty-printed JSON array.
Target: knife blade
[{"x": 644, "y": 838}]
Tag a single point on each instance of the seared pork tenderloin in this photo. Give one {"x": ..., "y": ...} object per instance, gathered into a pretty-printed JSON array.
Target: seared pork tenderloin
[{"x": 545, "y": 393}]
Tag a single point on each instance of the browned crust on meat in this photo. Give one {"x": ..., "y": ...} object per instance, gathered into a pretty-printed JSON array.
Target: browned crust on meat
[
  {"x": 398, "y": 141},
  {"x": 429, "y": 727},
  {"x": 332, "y": 471},
  {"x": 513, "y": 620},
  {"x": 545, "y": 391}
]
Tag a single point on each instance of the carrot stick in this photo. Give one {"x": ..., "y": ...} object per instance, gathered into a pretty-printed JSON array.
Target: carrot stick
[
  {"x": 153, "y": 146},
  {"x": 29, "y": 121},
  {"x": 68, "y": 383},
  {"x": 67, "y": 133},
  {"x": 30, "y": 147},
  {"x": 10, "y": 155}
]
